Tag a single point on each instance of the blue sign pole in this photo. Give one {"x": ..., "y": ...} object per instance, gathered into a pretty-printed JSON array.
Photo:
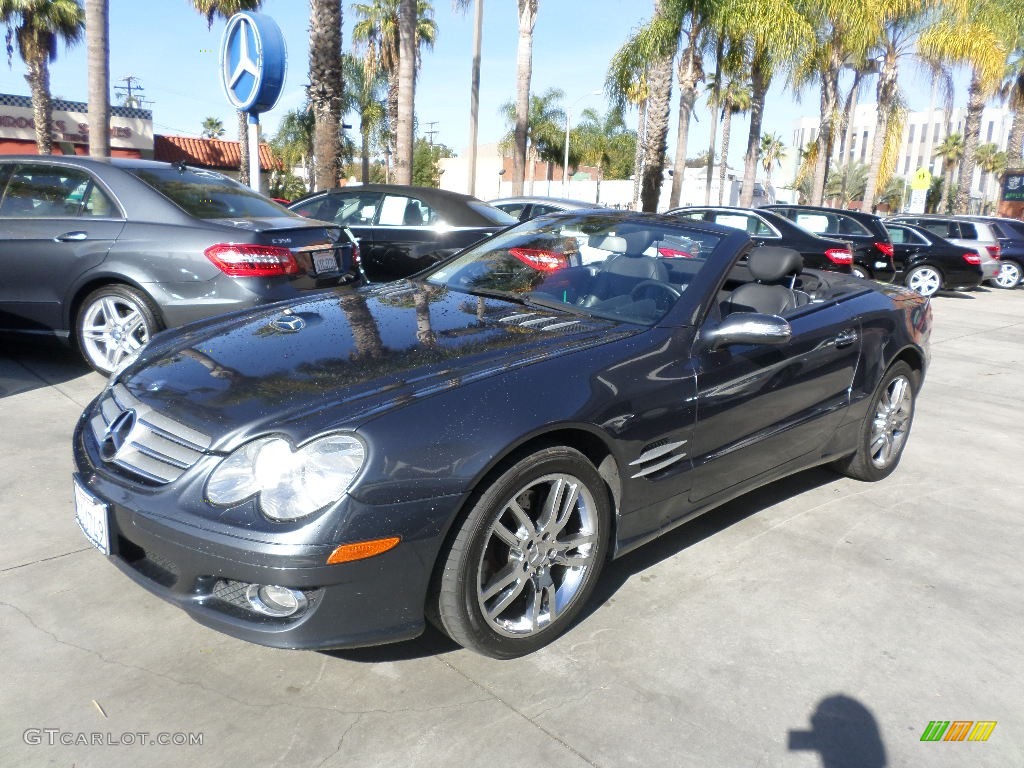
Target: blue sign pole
[{"x": 253, "y": 65}]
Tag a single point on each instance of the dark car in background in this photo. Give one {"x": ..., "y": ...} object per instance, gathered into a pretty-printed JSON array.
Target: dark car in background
[
  {"x": 1010, "y": 234},
  {"x": 972, "y": 233},
  {"x": 107, "y": 252},
  {"x": 472, "y": 445},
  {"x": 525, "y": 208},
  {"x": 927, "y": 263},
  {"x": 402, "y": 230},
  {"x": 769, "y": 228},
  {"x": 872, "y": 248}
]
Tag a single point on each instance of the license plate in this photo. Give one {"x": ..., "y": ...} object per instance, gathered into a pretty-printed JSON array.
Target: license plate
[
  {"x": 91, "y": 516},
  {"x": 324, "y": 261}
]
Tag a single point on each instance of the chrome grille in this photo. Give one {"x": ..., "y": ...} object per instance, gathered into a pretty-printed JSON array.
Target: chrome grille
[{"x": 158, "y": 448}]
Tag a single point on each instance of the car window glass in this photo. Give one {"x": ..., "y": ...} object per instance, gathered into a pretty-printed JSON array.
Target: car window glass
[
  {"x": 402, "y": 211},
  {"x": 512, "y": 209},
  {"x": 694, "y": 215},
  {"x": 813, "y": 222},
  {"x": 540, "y": 210},
  {"x": 207, "y": 194},
  {"x": 43, "y": 191},
  {"x": 968, "y": 231},
  {"x": 96, "y": 203},
  {"x": 348, "y": 210},
  {"x": 749, "y": 224},
  {"x": 898, "y": 235},
  {"x": 998, "y": 230},
  {"x": 940, "y": 228}
]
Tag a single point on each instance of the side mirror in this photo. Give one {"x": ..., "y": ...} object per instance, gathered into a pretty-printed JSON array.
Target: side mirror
[{"x": 748, "y": 328}]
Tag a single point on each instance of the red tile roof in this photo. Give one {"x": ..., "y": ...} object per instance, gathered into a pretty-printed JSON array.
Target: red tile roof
[{"x": 207, "y": 153}]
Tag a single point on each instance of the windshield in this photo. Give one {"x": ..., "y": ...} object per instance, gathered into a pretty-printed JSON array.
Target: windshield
[
  {"x": 209, "y": 195},
  {"x": 625, "y": 268}
]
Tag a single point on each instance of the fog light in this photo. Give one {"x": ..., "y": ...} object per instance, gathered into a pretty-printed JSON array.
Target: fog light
[{"x": 275, "y": 601}]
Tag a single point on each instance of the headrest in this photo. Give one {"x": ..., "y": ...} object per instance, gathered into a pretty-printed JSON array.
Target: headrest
[
  {"x": 607, "y": 243},
  {"x": 769, "y": 263}
]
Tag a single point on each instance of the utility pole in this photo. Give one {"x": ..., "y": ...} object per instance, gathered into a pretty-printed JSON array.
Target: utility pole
[
  {"x": 430, "y": 134},
  {"x": 128, "y": 92}
]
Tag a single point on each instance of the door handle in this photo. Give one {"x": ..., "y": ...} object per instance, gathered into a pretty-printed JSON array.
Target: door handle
[
  {"x": 71, "y": 236},
  {"x": 845, "y": 339}
]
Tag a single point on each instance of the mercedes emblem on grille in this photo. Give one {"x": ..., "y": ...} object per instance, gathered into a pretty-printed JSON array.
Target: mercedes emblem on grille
[
  {"x": 288, "y": 323},
  {"x": 117, "y": 434}
]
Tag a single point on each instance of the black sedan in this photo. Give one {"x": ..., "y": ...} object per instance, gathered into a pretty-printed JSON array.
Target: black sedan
[
  {"x": 529, "y": 207},
  {"x": 473, "y": 445},
  {"x": 402, "y": 230},
  {"x": 767, "y": 228},
  {"x": 104, "y": 253},
  {"x": 928, "y": 263},
  {"x": 866, "y": 232}
]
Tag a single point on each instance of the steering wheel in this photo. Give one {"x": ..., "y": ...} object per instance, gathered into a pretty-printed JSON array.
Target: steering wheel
[{"x": 668, "y": 288}]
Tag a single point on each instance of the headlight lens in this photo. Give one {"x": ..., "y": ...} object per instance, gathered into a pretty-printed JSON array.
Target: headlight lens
[{"x": 289, "y": 484}]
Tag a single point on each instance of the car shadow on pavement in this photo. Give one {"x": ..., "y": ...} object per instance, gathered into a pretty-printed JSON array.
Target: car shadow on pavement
[
  {"x": 954, "y": 295},
  {"x": 844, "y": 733},
  {"x": 616, "y": 573},
  {"x": 27, "y": 366}
]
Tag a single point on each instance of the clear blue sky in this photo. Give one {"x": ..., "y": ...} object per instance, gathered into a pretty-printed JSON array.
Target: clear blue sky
[{"x": 166, "y": 45}]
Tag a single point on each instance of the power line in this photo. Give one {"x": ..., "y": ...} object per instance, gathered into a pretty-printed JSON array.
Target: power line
[
  {"x": 430, "y": 134},
  {"x": 130, "y": 91}
]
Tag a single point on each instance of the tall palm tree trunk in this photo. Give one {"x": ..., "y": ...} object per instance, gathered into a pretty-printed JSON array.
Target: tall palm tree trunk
[
  {"x": 392, "y": 109},
  {"x": 406, "y": 91},
  {"x": 726, "y": 129},
  {"x": 690, "y": 73},
  {"x": 474, "y": 92},
  {"x": 716, "y": 94},
  {"x": 758, "y": 94},
  {"x": 97, "y": 30},
  {"x": 524, "y": 71},
  {"x": 42, "y": 107},
  {"x": 947, "y": 182},
  {"x": 826, "y": 136},
  {"x": 638, "y": 156},
  {"x": 325, "y": 84},
  {"x": 972, "y": 134},
  {"x": 846, "y": 140},
  {"x": 364, "y": 132},
  {"x": 659, "y": 81},
  {"x": 885, "y": 95}
]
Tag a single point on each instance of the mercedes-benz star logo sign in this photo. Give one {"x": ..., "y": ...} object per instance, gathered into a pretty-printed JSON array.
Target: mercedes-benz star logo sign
[
  {"x": 289, "y": 324},
  {"x": 117, "y": 434},
  {"x": 246, "y": 65}
]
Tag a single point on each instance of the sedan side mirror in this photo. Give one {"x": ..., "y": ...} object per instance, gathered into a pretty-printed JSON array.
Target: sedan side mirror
[{"x": 748, "y": 328}]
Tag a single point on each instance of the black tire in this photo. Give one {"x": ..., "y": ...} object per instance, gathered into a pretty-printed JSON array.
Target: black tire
[
  {"x": 862, "y": 272},
  {"x": 510, "y": 562},
  {"x": 886, "y": 428},
  {"x": 112, "y": 322}
]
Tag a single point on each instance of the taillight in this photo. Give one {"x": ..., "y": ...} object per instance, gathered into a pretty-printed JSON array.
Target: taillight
[
  {"x": 675, "y": 253},
  {"x": 541, "y": 260},
  {"x": 250, "y": 260},
  {"x": 885, "y": 248},
  {"x": 993, "y": 251},
  {"x": 840, "y": 256},
  {"x": 357, "y": 257},
  {"x": 972, "y": 258}
]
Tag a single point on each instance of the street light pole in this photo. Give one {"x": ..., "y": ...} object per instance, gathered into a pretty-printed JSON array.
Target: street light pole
[{"x": 568, "y": 123}]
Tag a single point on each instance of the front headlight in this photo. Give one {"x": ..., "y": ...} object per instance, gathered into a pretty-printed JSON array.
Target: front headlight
[{"x": 288, "y": 483}]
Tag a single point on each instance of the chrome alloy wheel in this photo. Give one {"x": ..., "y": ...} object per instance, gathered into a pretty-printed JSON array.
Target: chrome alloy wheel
[
  {"x": 112, "y": 327},
  {"x": 1009, "y": 275},
  {"x": 537, "y": 555},
  {"x": 891, "y": 424},
  {"x": 925, "y": 280}
]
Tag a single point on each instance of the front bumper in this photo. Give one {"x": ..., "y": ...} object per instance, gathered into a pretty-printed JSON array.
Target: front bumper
[{"x": 205, "y": 572}]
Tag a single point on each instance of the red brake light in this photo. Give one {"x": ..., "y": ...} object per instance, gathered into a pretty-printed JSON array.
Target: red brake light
[
  {"x": 541, "y": 260},
  {"x": 675, "y": 253},
  {"x": 885, "y": 248},
  {"x": 250, "y": 260},
  {"x": 972, "y": 258},
  {"x": 357, "y": 257},
  {"x": 839, "y": 256},
  {"x": 993, "y": 251}
]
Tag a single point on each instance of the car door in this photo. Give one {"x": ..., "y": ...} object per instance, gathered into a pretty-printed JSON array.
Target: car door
[
  {"x": 906, "y": 246},
  {"x": 404, "y": 240},
  {"x": 56, "y": 223},
  {"x": 759, "y": 407},
  {"x": 355, "y": 209}
]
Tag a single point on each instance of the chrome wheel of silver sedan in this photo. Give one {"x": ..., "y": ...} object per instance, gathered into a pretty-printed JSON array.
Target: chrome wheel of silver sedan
[
  {"x": 114, "y": 321},
  {"x": 891, "y": 425},
  {"x": 1009, "y": 275},
  {"x": 925, "y": 280},
  {"x": 527, "y": 556}
]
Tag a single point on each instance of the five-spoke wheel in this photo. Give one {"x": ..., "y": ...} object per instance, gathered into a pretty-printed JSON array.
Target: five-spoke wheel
[
  {"x": 527, "y": 555},
  {"x": 1010, "y": 274},
  {"x": 114, "y": 321},
  {"x": 925, "y": 280}
]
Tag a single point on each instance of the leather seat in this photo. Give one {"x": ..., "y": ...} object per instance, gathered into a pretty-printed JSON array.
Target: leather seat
[
  {"x": 775, "y": 270},
  {"x": 624, "y": 270}
]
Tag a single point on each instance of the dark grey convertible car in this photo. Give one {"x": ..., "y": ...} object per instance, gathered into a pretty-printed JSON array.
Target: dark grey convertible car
[
  {"x": 105, "y": 253},
  {"x": 470, "y": 447}
]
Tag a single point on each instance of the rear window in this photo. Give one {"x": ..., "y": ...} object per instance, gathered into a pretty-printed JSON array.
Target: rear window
[
  {"x": 492, "y": 214},
  {"x": 968, "y": 231},
  {"x": 821, "y": 223},
  {"x": 207, "y": 194}
]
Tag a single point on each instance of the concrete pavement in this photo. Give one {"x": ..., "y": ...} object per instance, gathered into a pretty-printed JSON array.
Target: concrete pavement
[{"x": 818, "y": 622}]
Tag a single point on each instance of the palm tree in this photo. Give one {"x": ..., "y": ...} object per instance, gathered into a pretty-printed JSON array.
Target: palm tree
[
  {"x": 97, "y": 42},
  {"x": 325, "y": 90},
  {"x": 951, "y": 150},
  {"x": 601, "y": 139},
  {"x": 474, "y": 88},
  {"x": 366, "y": 94},
  {"x": 407, "y": 50},
  {"x": 225, "y": 9},
  {"x": 772, "y": 152},
  {"x": 980, "y": 36},
  {"x": 846, "y": 184},
  {"x": 293, "y": 143},
  {"x": 992, "y": 162},
  {"x": 734, "y": 99},
  {"x": 213, "y": 128},
  {"x": 376, "y": 31},
  {"x": 527, "y": 12},
  {"x": 37, "y": 26},
  {"x": 545, "y": 129},
  {"x": 774, "y": 33}
]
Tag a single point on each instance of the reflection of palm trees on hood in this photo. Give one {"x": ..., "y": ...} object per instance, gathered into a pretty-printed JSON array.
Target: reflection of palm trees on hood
[{"x": 365, "y": 333}]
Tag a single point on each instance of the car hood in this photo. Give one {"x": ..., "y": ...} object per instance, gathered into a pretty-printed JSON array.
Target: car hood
[{"x": 339, "y": 358}]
